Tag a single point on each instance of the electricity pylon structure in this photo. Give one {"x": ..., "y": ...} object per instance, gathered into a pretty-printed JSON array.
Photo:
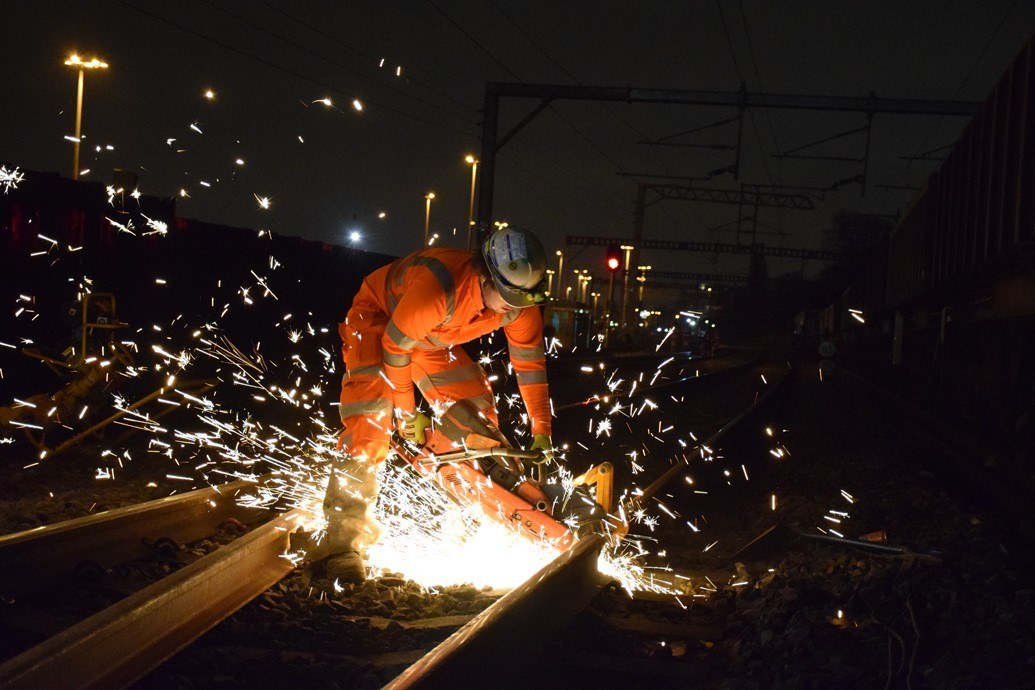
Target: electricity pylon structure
[{"x": 741, "y": 99}]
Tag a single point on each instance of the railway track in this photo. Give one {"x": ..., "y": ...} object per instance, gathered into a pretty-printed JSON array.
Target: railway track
[{"x": 123, "y": 642}]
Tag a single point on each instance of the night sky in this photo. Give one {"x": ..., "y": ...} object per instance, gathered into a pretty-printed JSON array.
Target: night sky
[{"x": 329, "y": 171}]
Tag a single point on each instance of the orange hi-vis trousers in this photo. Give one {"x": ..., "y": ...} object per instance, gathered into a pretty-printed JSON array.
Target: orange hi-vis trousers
[{"x": 453, "y": 384}]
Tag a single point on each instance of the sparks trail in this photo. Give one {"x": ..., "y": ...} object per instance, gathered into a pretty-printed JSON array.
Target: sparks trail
[
  {"x": 185, "y": 617},
  {"x": 275, "y": 360}
]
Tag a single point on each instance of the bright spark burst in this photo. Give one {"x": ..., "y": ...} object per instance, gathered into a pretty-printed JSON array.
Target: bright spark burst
[
  {"x": 264, "y": 201},
  {"x": 10, "y": 179},
  {"x": 426, "y": 536}
]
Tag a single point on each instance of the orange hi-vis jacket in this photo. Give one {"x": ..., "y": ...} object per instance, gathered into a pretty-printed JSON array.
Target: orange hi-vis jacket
[{"x": 428, "y": 301}]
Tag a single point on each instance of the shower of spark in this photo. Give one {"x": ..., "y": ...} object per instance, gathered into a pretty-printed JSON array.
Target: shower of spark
[
  {"x": 10, "y": 179},
  {"x": 276, "y": 429}
]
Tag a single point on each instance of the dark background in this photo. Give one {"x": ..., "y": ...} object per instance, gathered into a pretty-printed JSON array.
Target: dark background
[{"x": 267, "y": 62}]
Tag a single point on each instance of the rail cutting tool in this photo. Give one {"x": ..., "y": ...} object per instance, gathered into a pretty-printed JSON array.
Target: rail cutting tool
[{"x": 492, "y": 477}]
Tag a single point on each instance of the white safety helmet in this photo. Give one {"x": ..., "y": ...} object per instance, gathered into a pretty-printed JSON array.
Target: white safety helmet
[{"x": 517, "y": 264}]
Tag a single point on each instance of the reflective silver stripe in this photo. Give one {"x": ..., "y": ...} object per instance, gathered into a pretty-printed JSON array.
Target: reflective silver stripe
[
  {"x": 395, "y": 275},
  {"x": 527, "y": 354},
  {"x": 404, "y": 341},
  {"x": 435, "y": 343},
  {"x": 372, "y": 370},
  {"x": 394, "y": 360},
  {"x": 465, "y": 415},
  {"x": 510, "y": 316},
  {"x": 482, "y": 402},
  {"x": 445, "y": 279},
  {"x": 526, "y": 377},
  {"x": 367, "y": 407},
  {"x": 470, "y": 372}
]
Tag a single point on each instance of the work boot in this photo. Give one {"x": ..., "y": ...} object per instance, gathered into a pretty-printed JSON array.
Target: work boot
[
  {"x": 348, "y": 509},
  {"x": 346, "y": 568}
]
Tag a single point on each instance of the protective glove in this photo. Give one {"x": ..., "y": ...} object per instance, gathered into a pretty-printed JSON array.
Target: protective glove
[
  {"x": 411, "y": 426},
  {"x": 542, "y": 443}
]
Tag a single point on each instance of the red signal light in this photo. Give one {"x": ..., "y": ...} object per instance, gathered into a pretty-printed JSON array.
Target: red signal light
[{"x": 614, "y": 257}]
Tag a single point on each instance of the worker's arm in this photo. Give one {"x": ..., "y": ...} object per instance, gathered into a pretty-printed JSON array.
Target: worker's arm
[
  {"x": 528, "y": 357},
  {"x": 421, "y": 308}
]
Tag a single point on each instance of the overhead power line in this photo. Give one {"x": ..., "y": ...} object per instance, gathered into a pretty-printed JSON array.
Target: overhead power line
[{"x": 292, "y": 72}]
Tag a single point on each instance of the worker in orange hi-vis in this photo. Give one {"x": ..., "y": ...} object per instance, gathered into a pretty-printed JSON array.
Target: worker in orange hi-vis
[{"x": 401, "y": 330}]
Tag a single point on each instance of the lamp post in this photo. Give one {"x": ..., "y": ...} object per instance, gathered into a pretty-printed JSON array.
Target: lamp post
[
  {"x": 427, "y": 215},
  {"x": 549, "y": 282},
  {"x": 560, "y": 275},
  {"x": 625, "y": 281},
  {"x": 473, "y": 162},
  {"x": 82, "y": 66},
  {"x": 584, "y": 279},
  {"x": 642, "y": 279}
]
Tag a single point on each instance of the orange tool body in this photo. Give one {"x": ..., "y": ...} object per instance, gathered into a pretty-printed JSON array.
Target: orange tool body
[{"x": 483, "y": 477}]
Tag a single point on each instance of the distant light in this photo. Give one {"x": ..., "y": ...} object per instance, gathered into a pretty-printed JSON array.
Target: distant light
[
  {"x": 326, "y": 101},
  {"x": 644, "y": 314},
  {"x": 210, "y": 94},
  {"x": 354, "y": 236},
  {"x": 76, "y": 61},
  {"x": 382, "y": 215},
  {"x": 239, "y": 161},
  {"x": 357, "y": 104},
  {"x": 470, "y": 159}
]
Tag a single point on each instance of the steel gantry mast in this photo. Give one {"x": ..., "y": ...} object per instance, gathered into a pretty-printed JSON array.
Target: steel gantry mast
[{"x": 741, "y": 99}]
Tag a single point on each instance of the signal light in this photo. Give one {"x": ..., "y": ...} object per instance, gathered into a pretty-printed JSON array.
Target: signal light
[{"x": 614, "y": 257}]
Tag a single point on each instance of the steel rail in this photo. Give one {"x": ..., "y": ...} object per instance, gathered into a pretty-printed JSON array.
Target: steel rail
[
  {"x": 679, "y": 468},
  {"x": 668, "y": 383},
  {"x": 52, "y": 552},
  {"x": 122, "y": 643},
  {"x": 479, "y": 653}
]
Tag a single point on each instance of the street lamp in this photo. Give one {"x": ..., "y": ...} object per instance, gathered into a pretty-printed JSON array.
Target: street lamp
[
  {"x": 642, "y": 279},
  {"x": 583, "y": 278},
  {"x": 473, "y": 162},
  {"x": 427, "y": 215},
  {"x": 560, "y": 274},
  {"x": 625, "y": 280},
  {"x": 82, "y": 66},
  {"x": 549, "y": 281}
]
